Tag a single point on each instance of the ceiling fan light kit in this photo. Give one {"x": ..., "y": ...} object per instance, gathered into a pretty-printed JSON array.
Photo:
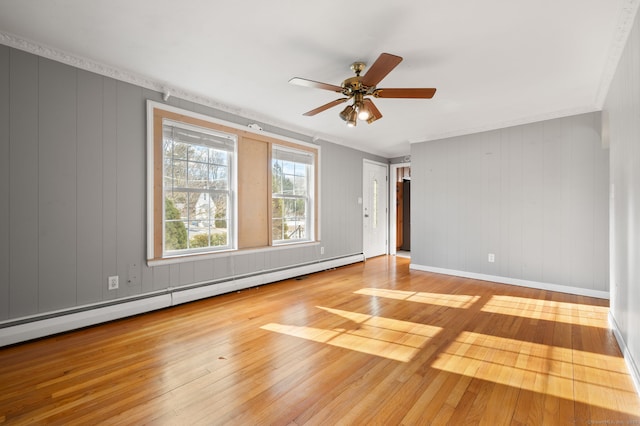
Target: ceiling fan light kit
[
  {"x": 359, "y": 88},
  {"x": 349, "y": 115},
  {"x": 356, "y": 111}
]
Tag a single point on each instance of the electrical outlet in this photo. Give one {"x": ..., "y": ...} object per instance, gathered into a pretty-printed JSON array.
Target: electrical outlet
[
  {"x": 113, "y": 282},
  {"x": 321, "y": 250},
  {"x": 491, "y": 258}
]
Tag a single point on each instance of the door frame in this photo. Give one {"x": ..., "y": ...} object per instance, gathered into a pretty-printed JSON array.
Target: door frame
[
  {"x": 385, "y": 191},
  {"x": 391, "y": 246}
]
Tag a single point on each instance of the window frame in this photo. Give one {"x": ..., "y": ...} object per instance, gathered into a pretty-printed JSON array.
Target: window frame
[
  {"x": 244, "y": 176},
  {"x": 230, "y": 191},
  {"x": 309, "y": 196}
]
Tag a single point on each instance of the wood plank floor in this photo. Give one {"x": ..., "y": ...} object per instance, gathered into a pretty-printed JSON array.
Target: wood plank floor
[{"x": 371, "y": 343}]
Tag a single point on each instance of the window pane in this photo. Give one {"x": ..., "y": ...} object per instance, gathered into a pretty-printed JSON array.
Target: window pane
[
  {"x": 167, "y": 176},
  {"x": 276, "y": 177},
  {"x": 218, "y": 157},
  {"x": 218, "y": 177},
  {"x": 219, "y": 237},
  {"x": 203, "y": 207},
  {"x": 220, "y": 211},
  {"x": 300, "y": 185},
  {"x": 175, "y": 231},
  {"x": 289, "y": 208},
  {"x": 301, "y": 169},
  {"x": 167, "y": 147},
  {"x": 300, "y": 229},
  {"x": 287, "y": 184},
  {"x": 199, "y": 240},
  {"x": 277, "y": 229},
  {"x": 288, "y": 168},
  {"x": 179, "y": 201},
  {"x": 301, "y": 208},
  {"x": 177, "y": 173},
  {"x": 180, "y": 150},
  {"x": 198, "y": 175},
  {"x": 199, "y": 153},
  {"x": 277, "y": 207},
  {"x": 197, "y": 235}
]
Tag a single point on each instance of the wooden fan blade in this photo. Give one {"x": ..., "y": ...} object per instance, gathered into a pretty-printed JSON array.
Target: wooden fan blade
[
  {"x": 405, "y": 93},
  {"x": 375, "y": 112},
  {"x": 380, "y": 68},
  {"x": 325, "y": 107},
  {"x": 315, "y": 84}
]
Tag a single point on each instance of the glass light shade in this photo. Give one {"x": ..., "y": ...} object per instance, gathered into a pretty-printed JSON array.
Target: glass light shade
[{"x": 363, "y": 112}]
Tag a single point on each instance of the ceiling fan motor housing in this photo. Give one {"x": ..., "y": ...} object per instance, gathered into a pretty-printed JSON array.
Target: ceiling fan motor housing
[{"x": 352, "y": 85}]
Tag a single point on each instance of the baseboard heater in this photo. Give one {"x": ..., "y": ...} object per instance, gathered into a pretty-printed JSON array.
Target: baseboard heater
[{"x": 28, "y": 328}]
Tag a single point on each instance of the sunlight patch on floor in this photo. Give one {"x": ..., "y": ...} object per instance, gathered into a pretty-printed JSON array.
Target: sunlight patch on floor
[
  {"x": 548, "y": 310},
  {"x": 374, "y": 335},
  {"x": 551, "y": 370},
  {"x": 440, "y": 299}
]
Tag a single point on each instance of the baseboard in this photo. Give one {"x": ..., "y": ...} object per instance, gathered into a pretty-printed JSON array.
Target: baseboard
[
  {"x": 631, "y": 364},
  {"x": 201, "y": 291},
  {"x": 515, "y": 281},
  {"x": 70, "y": 321},
  {"x": 23, "y": 329}
]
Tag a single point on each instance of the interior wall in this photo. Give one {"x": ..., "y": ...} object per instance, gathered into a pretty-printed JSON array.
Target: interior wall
[
  {"x": 535, "y": 196},
  {"x": 622, "y": 119},
  {"x": 72, "y": 193}
]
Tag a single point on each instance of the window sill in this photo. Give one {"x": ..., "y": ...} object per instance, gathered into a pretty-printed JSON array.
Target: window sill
[{"x": 193, "y": 257}]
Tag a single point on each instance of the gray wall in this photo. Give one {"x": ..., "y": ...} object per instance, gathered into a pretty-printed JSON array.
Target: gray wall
[
  {"x": 622, "y": 109},
  {"x": 72, "y": 192},
  {"x": 534, "y": 195}
]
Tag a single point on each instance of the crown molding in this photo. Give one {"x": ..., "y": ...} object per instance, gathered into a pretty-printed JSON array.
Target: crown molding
[
  {"x": 77, "y": 61},
  {"x": 86, "y": 64},
  {"x": 506, "y": 124},
  {"x": 624, "y": 26}
]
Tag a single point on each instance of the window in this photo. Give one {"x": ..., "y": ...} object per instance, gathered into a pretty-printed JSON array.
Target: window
[
  {"x": 215, "y": 187},
  {"x": 291, "y": 195},
  {"x": 197, "y": 189}
]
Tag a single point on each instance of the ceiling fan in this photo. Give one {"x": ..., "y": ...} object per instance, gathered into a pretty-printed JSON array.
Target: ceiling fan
[{"x": 359, "y": 88}]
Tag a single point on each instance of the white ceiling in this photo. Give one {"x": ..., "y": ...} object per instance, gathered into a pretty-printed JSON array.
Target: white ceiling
[{"x": 495, "y": 63}]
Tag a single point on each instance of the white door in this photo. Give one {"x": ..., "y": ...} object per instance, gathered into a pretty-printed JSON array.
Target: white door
[{"x": 374, "y": 208}]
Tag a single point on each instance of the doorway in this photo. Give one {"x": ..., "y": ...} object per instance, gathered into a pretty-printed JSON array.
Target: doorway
[
  {"x": 400, "y": 212},
  {"x": 374, "y": 208}
]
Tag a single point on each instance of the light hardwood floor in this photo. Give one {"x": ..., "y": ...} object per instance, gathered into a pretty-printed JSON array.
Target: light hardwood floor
[{"x": 371, "y": 343}]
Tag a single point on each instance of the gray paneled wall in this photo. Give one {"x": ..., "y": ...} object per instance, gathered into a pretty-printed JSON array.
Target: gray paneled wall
[
  {"x": 72, "y": 193},
  {"x": 5, "y": 210},
  {"x": 55, "y": 169},
  {"x": 340, "y": 165},
  {"x": 622, "y": 109},
  {"x": 535, "y": 195},
  {"x": 23, "y": 195}
]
